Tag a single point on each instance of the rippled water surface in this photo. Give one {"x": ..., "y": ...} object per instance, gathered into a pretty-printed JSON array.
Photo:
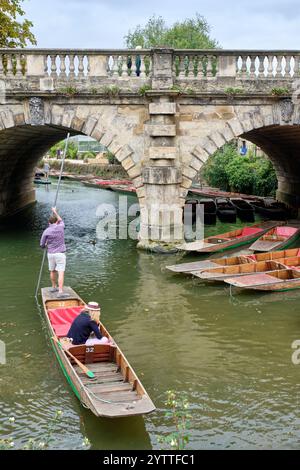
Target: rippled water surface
[{"x": 231, "y": 356}]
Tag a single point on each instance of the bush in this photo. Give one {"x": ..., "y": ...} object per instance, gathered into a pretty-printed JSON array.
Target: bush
[
  {"x": 72, "y": 151},
  {"x": 229, "y": 171}
]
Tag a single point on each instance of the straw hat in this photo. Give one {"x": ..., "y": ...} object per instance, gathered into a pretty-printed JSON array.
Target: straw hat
[{"x": 94, "y": 306}]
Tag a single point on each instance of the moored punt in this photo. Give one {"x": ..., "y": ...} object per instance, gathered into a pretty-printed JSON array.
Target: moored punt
[
  {"x": 219, "y": 274},
  {"x": 271, "y": 210},
  {"x": 210, "y": 211},
  {"x": 227, "y": 240},
  {"x": 189, "y": 268},
  {"x": 276, "y": 281},
  {"x": 275, "y": 239},
  {"x": 115, "y": 390},
  {"x": 226, "y": 211},
  {"x": 244, "y": 210}
]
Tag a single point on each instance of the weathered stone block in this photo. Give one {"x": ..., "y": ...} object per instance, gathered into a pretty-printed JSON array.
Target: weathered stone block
[
  {"x": 162, "y": 108},
  {"x": 186, "y": 182},
  {"x": 189, "y": 172},
  {"x": 236, "y": 127},
  {"x": 161, "y": 175},
  {"x": 161, "y": 130},
  {"x": 123, "y": 153},
  {"x": 134, "y": 172},
  {"x": 127, "y": 163},
  {"x": 162, "y": 153},
  {"x": 200, "y": 153}
]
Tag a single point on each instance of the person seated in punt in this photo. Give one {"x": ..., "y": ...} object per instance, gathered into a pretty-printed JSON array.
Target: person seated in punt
[{"x": 87, "y": 322}]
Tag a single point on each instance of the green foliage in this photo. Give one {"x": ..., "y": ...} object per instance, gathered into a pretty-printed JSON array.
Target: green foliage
[
  {"x": 233, "y": 91},
  {"x": 279, "y": 91},
  {"x": 111, "y": 90},
  {"x": 111, "y": 158},
  {"x": 87, "y": 156},
  {"x": 143, "y": 89},
  {"x": 192, "y": 33},
  {"x": 94, "y": 90},
  {"x": 72, "y": 151},
  {"x": 249, "y": 174},
  {"x": 180, "y": 416},
  {"x": 69, "y": 91},
  {"x": 103, "y": 171},
  {"x": 13, "y": 32}
]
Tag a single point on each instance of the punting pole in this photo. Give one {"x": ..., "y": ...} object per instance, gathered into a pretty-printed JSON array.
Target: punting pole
[{"x": 55, "y": 202}]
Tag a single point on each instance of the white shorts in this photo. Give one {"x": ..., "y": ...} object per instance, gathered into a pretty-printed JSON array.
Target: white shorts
[{"x": 57, "y": 262}]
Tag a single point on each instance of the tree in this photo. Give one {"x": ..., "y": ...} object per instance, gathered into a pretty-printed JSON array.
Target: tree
[
  {"x": 191, "y": 33},
  {"x": 228, "y": 170},
  {"x": 14, "y": 33}
]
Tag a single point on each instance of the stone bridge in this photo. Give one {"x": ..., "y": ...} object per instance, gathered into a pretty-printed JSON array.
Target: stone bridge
[{"x": 162, "y": 112}]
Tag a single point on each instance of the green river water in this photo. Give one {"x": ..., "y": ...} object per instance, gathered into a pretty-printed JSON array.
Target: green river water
[{"x": 231, "y": 356}]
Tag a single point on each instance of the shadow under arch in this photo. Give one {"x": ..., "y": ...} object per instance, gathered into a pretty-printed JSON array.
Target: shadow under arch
[
  {"x": 279, "y": 138},
  {"x": 22, "y": 145}
]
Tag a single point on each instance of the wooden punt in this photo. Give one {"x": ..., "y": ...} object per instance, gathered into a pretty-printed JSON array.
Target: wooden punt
[
  {"x": 276, "y": 281},
  {"x": 189, "y": 268},
  {"x": 276, "y": 238},
  {"x": 271, "y": 210},
  {"x": 228, "y": 240},
  {"x": 226, "y": 211},
  {"x": 115, "y": 391},
  {"x": 219, "y": 274},
  {"x": 244, "y": 210},
  {"x": 210, "y": 211}
]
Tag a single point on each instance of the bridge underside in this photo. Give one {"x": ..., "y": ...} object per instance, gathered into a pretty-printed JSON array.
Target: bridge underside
[
  {"x": 20, "y": 149},
  {"x": 282, "y": 145}
]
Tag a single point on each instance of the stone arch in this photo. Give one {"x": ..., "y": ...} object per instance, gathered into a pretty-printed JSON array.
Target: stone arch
[
  {"x": 257, "y": 126},
  {"x": 29, "y": 129}
]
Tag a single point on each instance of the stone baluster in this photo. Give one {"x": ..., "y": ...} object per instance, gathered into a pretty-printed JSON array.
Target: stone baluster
[
  {"x": 279, "y": 66},
  {"x": 191, "y": 72},
  {"x": 261, "y": 67},
  {"x": 244, "y": 67},
  {"x": 288, "y": 66},
  {"x": 45, "y": 62},
  {"x": 53, "y": 65},
  {"x": 143, "y": 67},
  {"x": 115, "y": 68},
  {"x": 124, "y": 67},
  {"x": 270, "y": 66},
  {"x": 182, "y": 73},
  {"x": 80, "y": 66},
  {"x": 9, "y": 66},
  {"x": 1, "y": 66},
  {"x": 200, "y": 72},
  {"x": 252, "y": 69},
  {"x": 209, "y": 69},
  {"x": 133, "y": 66},
  {"x": 19, "y": 68},
  {"x": 88, "y": 66},
  {"x": 71, "y": 66},
  {"x": 62, "y": 66},
  {"x": 296, "y": 65}
]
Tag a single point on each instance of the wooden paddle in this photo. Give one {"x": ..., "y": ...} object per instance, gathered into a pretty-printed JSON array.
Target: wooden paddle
[{"x": 88, "y": 372}]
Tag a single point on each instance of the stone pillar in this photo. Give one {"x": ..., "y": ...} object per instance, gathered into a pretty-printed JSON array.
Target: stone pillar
[
  {"x": 161, "y": 213},
  {"x": 289, "y": 192}
]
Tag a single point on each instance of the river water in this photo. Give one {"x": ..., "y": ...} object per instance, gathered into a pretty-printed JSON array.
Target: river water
[{"x": 231, "y": 356}]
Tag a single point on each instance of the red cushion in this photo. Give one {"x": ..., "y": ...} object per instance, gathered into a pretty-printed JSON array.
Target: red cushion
[
  {"x": 250, "y": 231},
  {"x": 285, "y": 231},
  {"x": 62, "y": 318},
  {"x": 61, "y": 330}
]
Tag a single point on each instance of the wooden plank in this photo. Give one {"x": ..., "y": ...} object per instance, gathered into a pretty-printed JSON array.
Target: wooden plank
[{"x": 106, "y": 388}]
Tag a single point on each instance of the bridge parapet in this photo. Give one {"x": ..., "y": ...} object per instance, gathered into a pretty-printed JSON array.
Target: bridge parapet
[{"x": 161, "y": 68}]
